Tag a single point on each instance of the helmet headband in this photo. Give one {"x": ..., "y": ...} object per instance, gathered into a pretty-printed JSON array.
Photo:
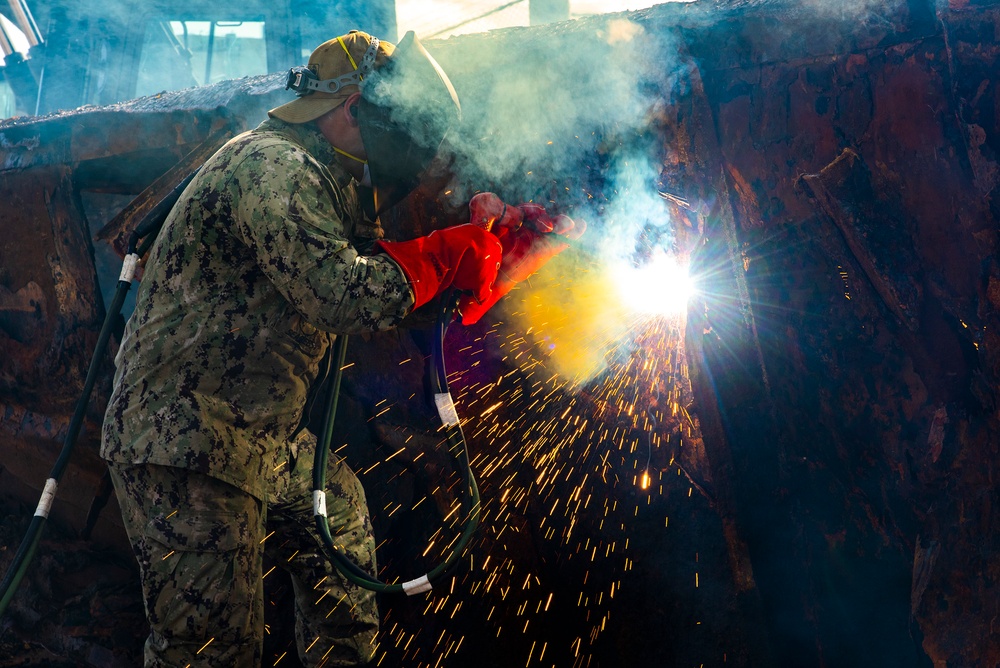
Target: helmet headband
[{"x": 303, "y": 81}]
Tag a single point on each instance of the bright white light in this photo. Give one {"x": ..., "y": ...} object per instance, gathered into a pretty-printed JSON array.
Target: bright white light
[
  {"x": 17, "y": 38},
  {"x": 662, "y": 286},
  {"x": 445, "y": 18},
  {"x": 584, "y": 7}
]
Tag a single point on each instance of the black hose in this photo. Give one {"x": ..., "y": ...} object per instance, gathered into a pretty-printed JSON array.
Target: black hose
[
  {"x": 456, "y": 445},
  {"x": 140, "y": 240},
  {"x": 150, "y": 225}
]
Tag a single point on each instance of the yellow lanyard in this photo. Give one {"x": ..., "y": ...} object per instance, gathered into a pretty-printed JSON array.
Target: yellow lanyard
[{"x": 348, "y": 155}]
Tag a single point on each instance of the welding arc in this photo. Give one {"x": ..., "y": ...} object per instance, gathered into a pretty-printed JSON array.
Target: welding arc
[
  {"x": 145, "y": 230},
  {"x": 456, "y": 445}
]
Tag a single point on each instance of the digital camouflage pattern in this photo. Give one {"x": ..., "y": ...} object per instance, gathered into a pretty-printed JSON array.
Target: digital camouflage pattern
[
  {"x": 252, "y": 268},
  {"x": 199, "y": 543},
  {"x": 255, "y": 270}
]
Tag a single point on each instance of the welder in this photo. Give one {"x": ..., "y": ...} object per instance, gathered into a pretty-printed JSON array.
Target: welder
[{"x": 265, "y": 258}]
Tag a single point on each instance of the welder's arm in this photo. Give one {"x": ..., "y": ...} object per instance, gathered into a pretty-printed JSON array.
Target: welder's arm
[
  {"x": 289, "y": 220},
  {"x": 529, "y": 236},
  {"x": 465, "y": 257}
]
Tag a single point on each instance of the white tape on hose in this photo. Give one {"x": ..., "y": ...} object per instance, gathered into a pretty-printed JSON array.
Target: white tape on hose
[
  {"x": 48, "y": 495},
  {"x": 319, "y": 503},
  {"x": 418, "y": 586},
  {"x": 446, "y": 409},
  {"x": 128, "y": 267}
]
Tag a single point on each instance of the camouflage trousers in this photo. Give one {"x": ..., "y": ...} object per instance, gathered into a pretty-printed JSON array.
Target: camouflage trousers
[{"x": 200, "y": 544}]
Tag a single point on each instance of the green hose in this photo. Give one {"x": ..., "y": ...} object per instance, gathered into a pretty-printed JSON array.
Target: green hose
[{"x": 456, "y": 445}]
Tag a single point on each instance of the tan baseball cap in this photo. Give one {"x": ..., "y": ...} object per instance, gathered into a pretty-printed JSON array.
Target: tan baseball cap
[{"x": 332, "y": 59}]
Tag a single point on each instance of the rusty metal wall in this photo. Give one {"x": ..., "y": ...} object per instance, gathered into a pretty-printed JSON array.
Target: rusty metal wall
[
  {"x": 857, "y": 388},
  {"x": 53, "y": 170}
]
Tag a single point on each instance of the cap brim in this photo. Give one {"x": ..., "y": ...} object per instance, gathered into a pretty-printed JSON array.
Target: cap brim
[{"x": 305, "y": 109}]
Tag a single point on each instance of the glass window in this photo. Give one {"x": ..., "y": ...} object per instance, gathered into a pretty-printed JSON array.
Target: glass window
[
  {"x": 8, "y": 106},
  {"x": 181, "y": 54},
  {"x": 15, "y": 39}
]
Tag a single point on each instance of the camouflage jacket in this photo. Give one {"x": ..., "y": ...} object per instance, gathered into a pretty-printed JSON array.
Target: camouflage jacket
[{"x": 254, "y": 265}]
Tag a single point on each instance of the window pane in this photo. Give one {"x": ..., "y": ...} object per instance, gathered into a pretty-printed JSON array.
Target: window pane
[
  {"x": 8, "y": 106},
  {"x": 180, "y": 54}
]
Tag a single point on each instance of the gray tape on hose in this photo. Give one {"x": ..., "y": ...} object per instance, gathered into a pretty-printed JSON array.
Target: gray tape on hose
[
  {"x": 319, "y": 503},
  {"x": 128, "y": 268},
  {"x": 446, "y": 409},
  {"x": 48, "y": 495},
  {"x": 418, "y": 586}
]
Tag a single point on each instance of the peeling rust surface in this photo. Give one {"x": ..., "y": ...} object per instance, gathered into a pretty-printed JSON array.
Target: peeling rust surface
[
  {"x": 871, "y": 294},
  {"x": 881, "y": 245},
  {"x": 51, "y": 308}
]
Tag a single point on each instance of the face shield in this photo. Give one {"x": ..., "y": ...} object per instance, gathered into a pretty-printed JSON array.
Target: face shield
[{"x": 407, "y": 107}]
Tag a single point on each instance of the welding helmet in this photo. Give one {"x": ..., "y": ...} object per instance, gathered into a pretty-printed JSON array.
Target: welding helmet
[
  {"x": 407, "y": 107},
  {"x": 407, "y": 104}
]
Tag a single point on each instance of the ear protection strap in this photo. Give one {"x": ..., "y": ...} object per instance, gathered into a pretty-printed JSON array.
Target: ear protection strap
[{"x": 304, "y": 81}]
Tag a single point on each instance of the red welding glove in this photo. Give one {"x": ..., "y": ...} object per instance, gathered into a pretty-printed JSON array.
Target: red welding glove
[
  {"x": 465, "y": 257},
  {"x": 530, "y": 237}
]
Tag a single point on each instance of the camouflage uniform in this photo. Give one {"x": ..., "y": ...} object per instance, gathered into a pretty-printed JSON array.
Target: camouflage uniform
[{"x": 254, "y": 267}]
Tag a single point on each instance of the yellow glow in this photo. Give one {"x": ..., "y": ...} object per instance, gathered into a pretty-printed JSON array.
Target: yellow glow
[
  {"x": 570, "y": 309},
  {"x": 575, "y": 313},
  {"x": 659, "y": 287},
  {"x": 644, "y": 482}
]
